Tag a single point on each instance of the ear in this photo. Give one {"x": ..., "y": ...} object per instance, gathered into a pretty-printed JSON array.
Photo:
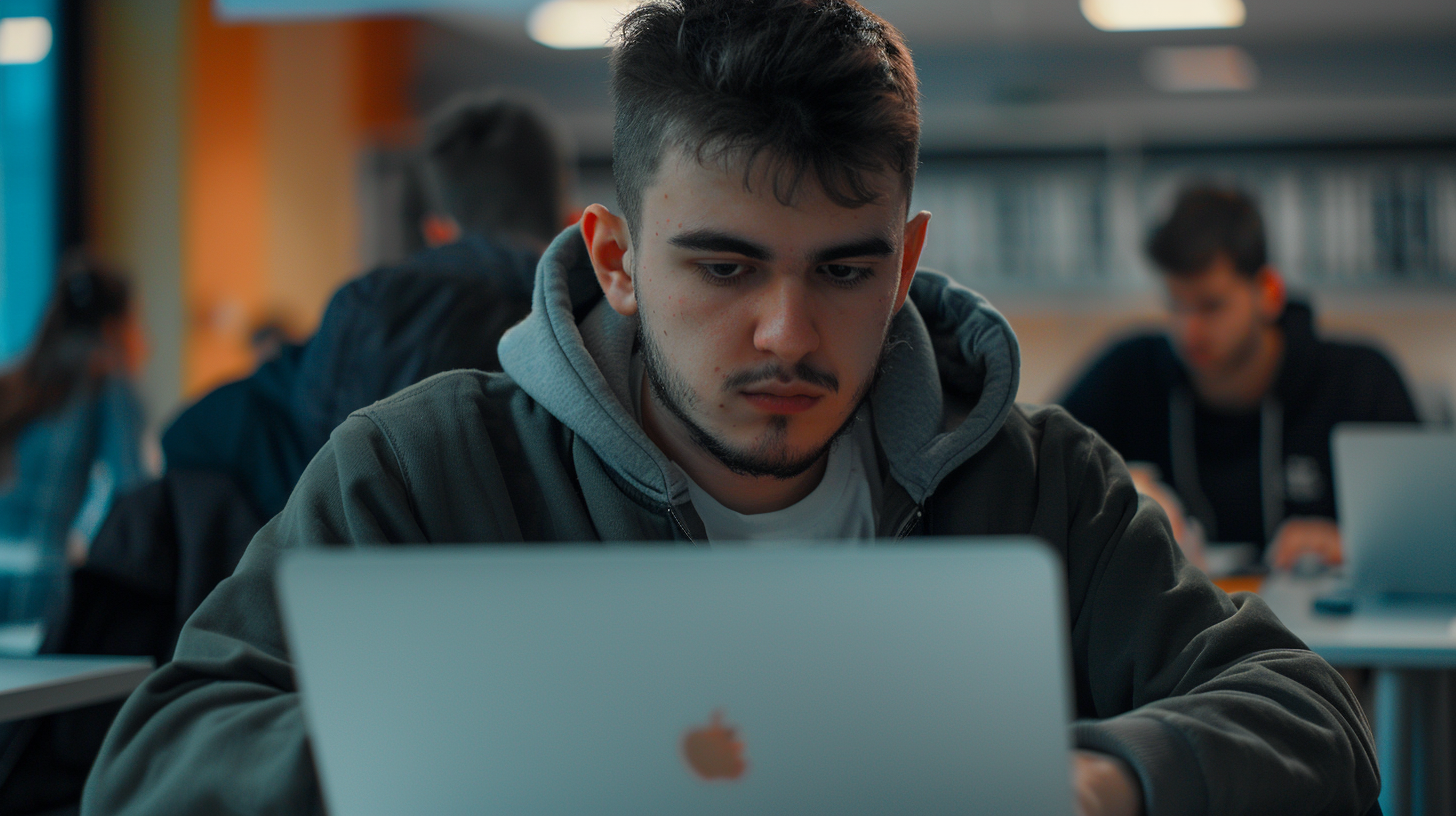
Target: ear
[
  {"x": 1272, "y": 292},
  {"x": 607, "y": 243},
  {"x": 439, "y": 230},
  {"x": 914, "y": 242}
]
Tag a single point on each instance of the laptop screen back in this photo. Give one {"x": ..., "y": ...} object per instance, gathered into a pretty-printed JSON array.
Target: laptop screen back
[
  {"x": 1395, "y": 488},
  {"x": 646, "y": 680}
]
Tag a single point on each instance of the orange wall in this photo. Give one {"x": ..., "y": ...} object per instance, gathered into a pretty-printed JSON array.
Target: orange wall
[{"x": 274, "y": 118}]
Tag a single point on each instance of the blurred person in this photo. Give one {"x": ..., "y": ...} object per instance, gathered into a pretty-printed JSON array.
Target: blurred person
[
  {"x": 71, "y": 432},
  {"x": 1227, "y": 416},
  {"x": 746, "y": 353},
  {"x": 496, "y": 178},
  {"x": 498, "y": 192},
  {"x": 493, "y": 169}
]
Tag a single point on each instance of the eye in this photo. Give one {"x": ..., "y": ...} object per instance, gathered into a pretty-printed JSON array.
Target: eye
[
  {"x": 845, "y": 274},
  {"x": 723, "y": 273}
]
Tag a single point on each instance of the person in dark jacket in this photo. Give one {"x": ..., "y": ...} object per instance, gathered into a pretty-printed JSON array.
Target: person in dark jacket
[
  {"x": 747, "y": 351},
  {"x": 497, "y": 180},
  {"x": 1230, "y": 412}
]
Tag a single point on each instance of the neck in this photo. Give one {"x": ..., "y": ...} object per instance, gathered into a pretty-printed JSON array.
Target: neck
[
  {"x": 736, "y": 491},
  {"x": 1244, "y": 385}
]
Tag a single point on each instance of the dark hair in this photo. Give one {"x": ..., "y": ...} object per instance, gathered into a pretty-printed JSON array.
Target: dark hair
[
  {"x": 493, "y": 163},
  {"x": 87, "y": 298},
  {"x": 820, "y": 86},
  {"x": 1207, "y": 222}
]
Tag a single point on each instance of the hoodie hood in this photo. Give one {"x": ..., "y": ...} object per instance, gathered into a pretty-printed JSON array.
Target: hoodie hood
[{"x": 948, "y": 381}]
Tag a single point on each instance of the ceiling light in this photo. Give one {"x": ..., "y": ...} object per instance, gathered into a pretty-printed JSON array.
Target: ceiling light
[
  {"x": 577, "y": 23},
  {"x": 24, "y": 40},
  {"x": 1184, "y": 70},
  {"x": 1162, "y": 15}
]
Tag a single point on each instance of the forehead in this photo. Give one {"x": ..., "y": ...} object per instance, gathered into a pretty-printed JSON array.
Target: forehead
[
  {"x": 735, "y": 196},
  {"x": 1219, "y": 279}
]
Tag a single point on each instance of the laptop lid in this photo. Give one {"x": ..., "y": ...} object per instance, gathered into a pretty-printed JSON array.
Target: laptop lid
[
  {"x": 1395, "y": 489},
  {"x": 653, "y": 680}
]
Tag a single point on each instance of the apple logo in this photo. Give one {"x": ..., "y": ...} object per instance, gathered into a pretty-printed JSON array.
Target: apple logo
[{"x": 714, "y": 751}]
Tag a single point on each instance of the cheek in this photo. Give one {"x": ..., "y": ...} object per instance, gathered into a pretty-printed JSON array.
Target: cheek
[
  {"x": 854, "y": 335},
  {"x": 699, "y": 336}
]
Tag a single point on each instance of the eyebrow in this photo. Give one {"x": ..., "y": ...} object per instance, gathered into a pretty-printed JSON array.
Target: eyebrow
[
  {"x": 865, "y": 248},
  {"x": 712, "y": 241},
  {"x": 705, "y": 240}
]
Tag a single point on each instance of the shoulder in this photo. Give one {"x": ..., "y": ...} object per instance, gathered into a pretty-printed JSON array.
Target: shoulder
[
  {"x": 454, "y": 412},
  {"x": 1139, "y": 359},
  {"x": 1355, "y": 358},
  {"x": 447, "y": 400},
  {"x": 1137, "y": 353},
  {"x": 1126, "y": 385},
  {"x": 1038, "y": 443},
  {"x": 1057, "y": 434}
]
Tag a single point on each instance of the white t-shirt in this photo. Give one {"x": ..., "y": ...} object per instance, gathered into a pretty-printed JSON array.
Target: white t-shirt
[{"x": 842, "y": 506}]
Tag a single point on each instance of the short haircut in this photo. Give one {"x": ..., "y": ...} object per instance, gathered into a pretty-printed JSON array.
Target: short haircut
[
  {"x": 1208, "y": 222},
  {"x": 492, "y": 162},
  {"x": 819, "y": 86}
]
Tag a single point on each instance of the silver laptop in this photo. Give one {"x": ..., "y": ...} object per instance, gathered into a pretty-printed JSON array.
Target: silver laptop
[
  {"x": 1395, "y": 488},
  {"x": 657, "y": 680}
]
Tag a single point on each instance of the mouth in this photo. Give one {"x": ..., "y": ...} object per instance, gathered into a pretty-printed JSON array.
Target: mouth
[{"x": 775, "y": 401}]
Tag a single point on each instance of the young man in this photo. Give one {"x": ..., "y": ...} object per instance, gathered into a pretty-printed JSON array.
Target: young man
[
  {"x": 745, "y": 352},
  {"x": 1233, "y": 408}
]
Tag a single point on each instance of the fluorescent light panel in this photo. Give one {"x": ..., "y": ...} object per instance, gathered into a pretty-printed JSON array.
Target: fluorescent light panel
[
  {"x": 1163, "y": 15},
  {"x": 24, "y": 40},
  {"x": 577, "y": 23}
]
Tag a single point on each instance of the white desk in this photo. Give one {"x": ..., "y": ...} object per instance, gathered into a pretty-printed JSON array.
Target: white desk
[
  {"x": 1409, "y": 645},
  {"x": 32, "y": 686}
]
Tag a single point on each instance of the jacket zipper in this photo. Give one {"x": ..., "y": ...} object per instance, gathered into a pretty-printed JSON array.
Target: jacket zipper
[
  {"x": 909, "y": 523},
  {"x": 672, "y": 514}
]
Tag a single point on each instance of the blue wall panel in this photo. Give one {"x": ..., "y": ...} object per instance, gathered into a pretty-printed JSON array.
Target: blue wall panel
[{"x": 29, "y": 185}]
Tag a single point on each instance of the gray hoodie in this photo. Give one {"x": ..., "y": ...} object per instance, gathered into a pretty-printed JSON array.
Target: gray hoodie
[{"x": 1216, "y": 707}]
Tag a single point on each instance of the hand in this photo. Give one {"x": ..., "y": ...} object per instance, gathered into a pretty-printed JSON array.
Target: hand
[
  {"x": 1145, "y": 479},
  {"x": 1105, "y": 786},
  {"x": 1302, "y": 537}
]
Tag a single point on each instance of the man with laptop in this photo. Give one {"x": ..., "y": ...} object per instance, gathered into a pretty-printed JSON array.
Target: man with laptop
[
  {"x": 1228, "y": 416},
  {"x": 744, "y": 356}
]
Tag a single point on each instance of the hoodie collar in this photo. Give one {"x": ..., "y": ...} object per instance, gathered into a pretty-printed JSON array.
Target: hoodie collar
[{"x": 949, "y": 378}]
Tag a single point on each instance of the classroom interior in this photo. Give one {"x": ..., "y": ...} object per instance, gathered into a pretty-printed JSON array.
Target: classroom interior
[
  {"x": 242, "y": 168},
  {"x": 241, "y": 160}
]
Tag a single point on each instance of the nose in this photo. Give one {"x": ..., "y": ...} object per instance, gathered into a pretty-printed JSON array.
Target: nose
[{"x": 786, "y": 325}]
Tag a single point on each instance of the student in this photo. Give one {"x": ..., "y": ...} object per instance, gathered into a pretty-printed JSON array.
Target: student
[
  {"x": 70, "y": 437},
  {"x": 1233, "y": 408},
  {"x": 745, "y": 352},
  {"x": 497, "y": 179}
]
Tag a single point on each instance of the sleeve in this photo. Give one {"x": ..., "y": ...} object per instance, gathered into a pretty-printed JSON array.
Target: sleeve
[
  {"x": 1209, "y": 698},
  {"x": 118, "y": 466},
  {"x": 220, "y": 729}
]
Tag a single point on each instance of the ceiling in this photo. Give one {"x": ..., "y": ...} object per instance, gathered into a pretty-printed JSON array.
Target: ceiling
[
  {"x": 1034, "y": 75},
  {"x": 962, "y": 21},
  {"x": 1060, "y": 21}
]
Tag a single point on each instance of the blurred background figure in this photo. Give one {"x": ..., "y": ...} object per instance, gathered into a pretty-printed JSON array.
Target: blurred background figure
[
  {"x": 497, "y": 191},
  {"x": 70, "y": 437},
  {"x": 496, "y": 180},
  {"x": 494, "y": 169},
  {"x": 1227, "y": 416}
]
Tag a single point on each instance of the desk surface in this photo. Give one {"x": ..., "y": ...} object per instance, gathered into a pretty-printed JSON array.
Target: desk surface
[
  {"x": 32, "y": 686},
  {"x": 1406, "y": 634}
]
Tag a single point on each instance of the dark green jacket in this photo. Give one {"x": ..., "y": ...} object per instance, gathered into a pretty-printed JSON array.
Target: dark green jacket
[{"x": 1217, "y": 707}]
